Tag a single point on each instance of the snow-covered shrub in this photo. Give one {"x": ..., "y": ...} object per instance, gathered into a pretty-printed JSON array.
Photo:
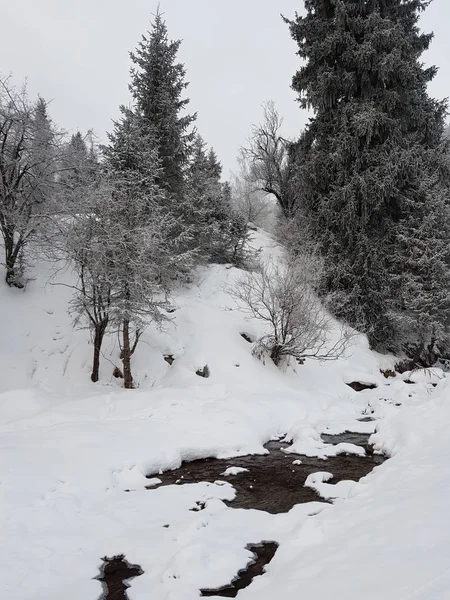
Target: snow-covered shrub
[{"x": 283, "y": 296}]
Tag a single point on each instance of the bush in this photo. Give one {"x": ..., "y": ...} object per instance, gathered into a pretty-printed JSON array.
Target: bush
[{"x": 283, "y": 296}]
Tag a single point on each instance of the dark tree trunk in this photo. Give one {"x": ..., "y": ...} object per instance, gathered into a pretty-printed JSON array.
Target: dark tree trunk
[
  {"x": 11, "y": 255},
  {"x": 276, "y": 354},
  {"x": 126, "y": 355},
  {"x": 11, "y": 279},
  {"x": 99, "y": 332}
]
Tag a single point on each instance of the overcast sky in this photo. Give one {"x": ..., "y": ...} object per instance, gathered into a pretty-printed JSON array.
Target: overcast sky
[{"x": 237, "y": 53}]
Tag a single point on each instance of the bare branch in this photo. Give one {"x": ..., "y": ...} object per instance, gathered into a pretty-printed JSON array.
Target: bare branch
[
  {"x": 283, "y": 296},
  {"x": 267, "y": 155}
]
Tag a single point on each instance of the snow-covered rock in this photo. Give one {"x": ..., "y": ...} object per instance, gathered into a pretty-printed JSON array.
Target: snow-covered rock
[{"x": 233, "y": 471}]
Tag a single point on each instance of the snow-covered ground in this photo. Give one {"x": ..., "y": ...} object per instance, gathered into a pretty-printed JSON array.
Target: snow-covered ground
[{"x": 69, "y": 449}]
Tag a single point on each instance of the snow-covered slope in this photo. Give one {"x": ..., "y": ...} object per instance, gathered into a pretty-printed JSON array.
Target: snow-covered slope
[{"x": 69, "y": 449}]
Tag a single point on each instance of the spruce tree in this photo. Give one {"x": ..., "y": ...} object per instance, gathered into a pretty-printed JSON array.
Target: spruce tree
[
  {"x": 219, "y": 232},
  {"x": 142, "y": 234},
  {"x": 79, "y": 166},
  {"x": 44, "y": 153},
  {"x": 371, "y": 167},
  {"x": 157, "y": 86}
]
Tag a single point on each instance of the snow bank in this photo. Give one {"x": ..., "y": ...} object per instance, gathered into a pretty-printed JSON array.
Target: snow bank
[{"x": 394, "y": 522}]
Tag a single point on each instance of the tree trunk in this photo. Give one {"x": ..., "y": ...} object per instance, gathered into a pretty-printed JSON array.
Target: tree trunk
[
  {"x": 276, "y": 354},
  {"x": 126, "y": 355},
  {"x": 11, "y": 254},
  {"x": 99, "y": 333}
]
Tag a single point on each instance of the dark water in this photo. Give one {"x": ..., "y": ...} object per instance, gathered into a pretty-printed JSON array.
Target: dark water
[
  {"x": 359, "y": 439},
  {"x": 114, "y": 573},
  {"x": 263, "y": 554},
  {"x": 273, "y": 483},
  {"x": 360, "y": 387}
]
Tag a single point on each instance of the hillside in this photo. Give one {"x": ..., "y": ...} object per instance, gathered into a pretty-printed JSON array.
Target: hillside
[{"x": 74, "y": 456}]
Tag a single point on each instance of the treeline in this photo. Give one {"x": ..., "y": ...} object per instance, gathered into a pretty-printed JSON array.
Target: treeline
[{"x": 134, "y": 216}]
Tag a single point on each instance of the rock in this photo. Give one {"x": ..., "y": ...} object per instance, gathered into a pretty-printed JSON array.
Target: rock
[
  {"x": 358, "y": 386},
  {"x": 205, "y": 372},
  {"x": 247, "y": 338},
  {"x": 117, "y": 373}
]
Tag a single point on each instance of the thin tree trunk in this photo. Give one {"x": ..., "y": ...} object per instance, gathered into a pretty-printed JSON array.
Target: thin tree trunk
[
  {"x": 11, "y": 255},
  {"x": 9, "y": 261},
  {"x": 126, "y": 355},
  {"x": 99, "y": 333}
]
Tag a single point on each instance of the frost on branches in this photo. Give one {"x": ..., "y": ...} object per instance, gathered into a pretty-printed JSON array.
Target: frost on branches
[
  {"x": 371, "y": 169},
  {"x": 283, "y": 296},
  {"x": 29, "y": 156}
]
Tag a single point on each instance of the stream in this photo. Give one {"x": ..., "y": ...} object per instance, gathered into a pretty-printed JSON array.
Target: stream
[{"x": 272, "y": 482}]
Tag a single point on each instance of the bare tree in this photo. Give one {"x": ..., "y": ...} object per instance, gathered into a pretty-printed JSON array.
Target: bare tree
[
  {"x": 79, "y": 238},
  {"x": 121, "y": 248},
  {"x": 75, "y": 234},
  {"x": 268, "y": 156},
  {"x": 28, "y": 167},
  {"x": 283, "y": 296},
  {"x": 91, "y": 252},
  {"x": 247, "y": 197}
]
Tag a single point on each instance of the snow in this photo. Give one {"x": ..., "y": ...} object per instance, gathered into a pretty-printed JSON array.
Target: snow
[
  {"x": 234, "y": 471},
  {"x": 317, "y": 481},
  {"x": 432, "y": 375},
  {"x": 70, "y": 449}
]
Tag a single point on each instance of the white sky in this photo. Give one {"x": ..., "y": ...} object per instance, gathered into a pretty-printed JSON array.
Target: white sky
[{"x": 237, "y": 53}]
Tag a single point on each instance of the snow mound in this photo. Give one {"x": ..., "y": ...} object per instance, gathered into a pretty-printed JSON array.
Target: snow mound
[
  {"x": 317, "y": 481},
  {"x": 233, "y": 471}
]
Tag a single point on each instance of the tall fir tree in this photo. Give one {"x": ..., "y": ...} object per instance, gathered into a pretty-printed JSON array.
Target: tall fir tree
[
  {"x": 371, "y": 167},
  {"x": 44, "y": 155},
  {"x": 157, "y": 85},
  {"x": 219, "y": 232},
  {"x": 147, "y": 253},
  {"x": 79, "y": 166}
]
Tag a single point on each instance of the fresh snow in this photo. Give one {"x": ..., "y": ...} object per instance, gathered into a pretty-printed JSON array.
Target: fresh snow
[
  {"x": 69, "y": 449},
  {"x": 318, "y": 482},
  {"x": 234, "y": 471}
]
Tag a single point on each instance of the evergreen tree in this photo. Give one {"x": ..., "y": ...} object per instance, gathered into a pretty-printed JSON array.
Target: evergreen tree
[
  {"x": 370, "y": 165},
  {"x": 219, "y": 232},
  {"x": 80, "y": 161},
  {"x": 79, "y": 167},
  {"x": 147, "y": 243},
  {"x": 44, "y": 153},
  {"x": 157, "y": 86}
]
